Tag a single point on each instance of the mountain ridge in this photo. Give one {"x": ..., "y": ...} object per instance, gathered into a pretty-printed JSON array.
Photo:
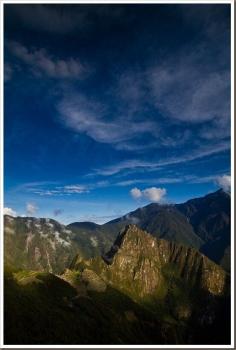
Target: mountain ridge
[{"x": 202, "y": 223}]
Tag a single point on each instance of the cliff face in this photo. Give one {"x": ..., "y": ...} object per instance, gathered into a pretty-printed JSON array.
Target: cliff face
[
  {"x": 38, "y": 244},
  {"x": 142, "y": 265},
  {"x": 44, "y": 244}
]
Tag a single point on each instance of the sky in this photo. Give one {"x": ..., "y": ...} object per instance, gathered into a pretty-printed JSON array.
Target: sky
[{"x": 110, "y": 107}]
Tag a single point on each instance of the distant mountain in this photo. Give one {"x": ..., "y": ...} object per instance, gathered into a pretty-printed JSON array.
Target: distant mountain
[
  {"x": 38, "y": 244},
  {"x": 44, "y": 244},
  {"x": 94, "y": 239},
  {"x": 162, "y": 221},
  {"x": 210, "y": 219},
  {"x": 202, "y": 223}
]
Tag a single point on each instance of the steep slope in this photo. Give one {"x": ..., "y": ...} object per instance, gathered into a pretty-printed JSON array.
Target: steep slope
[
  {"x": 136, "y": 261},
  {"x": 42, "y": 309},
  {"x": 202, "y": 223},
  {"x": 93, "y": 238},
  {"x": 162, "y": 221},
  {"x": 210, "y": 218},
  {"x": 38, "y": 244},
  {"x": 176, "y": 282},
  {"x": 143, "y": 291}
]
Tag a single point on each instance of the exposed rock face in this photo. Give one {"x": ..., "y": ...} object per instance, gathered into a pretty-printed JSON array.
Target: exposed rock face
[
  {"x": 38, "y": 244},
  {"x": 202, "y": 223},
  {"x": 46, "y": 245},
  {"x": 137, "y": 264},
  {"x": 143, "y": 288}
]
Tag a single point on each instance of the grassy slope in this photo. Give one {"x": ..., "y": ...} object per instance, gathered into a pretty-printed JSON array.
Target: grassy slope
[{"x": 40, "y": 308}]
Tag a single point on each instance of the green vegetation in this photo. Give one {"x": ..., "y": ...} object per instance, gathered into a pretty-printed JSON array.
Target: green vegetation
[{"x": 47, "y": 310}]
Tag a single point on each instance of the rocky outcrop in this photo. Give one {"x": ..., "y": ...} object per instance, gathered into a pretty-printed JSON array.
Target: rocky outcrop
[
  {"x": 141, "y": 265},
  {"x": 38, "y": 244}
]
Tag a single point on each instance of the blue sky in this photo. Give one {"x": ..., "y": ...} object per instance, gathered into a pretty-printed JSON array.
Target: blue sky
[{"x": 111, "y": 107}]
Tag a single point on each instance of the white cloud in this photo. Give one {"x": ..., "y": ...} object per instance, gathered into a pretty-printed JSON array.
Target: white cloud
[
  {"x": 153, "y": 194},
  {"x": 224, "y": 181},
  {"x": 136, "y": 193},
  {"x": 9, "y": 211},
  {"x": 42, "y": 62},
  {"x": 31, "y": 208}
]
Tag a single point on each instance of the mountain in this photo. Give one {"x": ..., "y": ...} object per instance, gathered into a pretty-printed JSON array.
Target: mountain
[
  {"x": 210, "y": 219},
  {"x": 44, "y": 309},
  {"x": 142, "y": 291},
  {"x": 202, "y": 223},
  {"x": 93, "y": 238},
  {"x": 38, "y": 244},
  {"x": 176, "y": 283},
  {"x": 163, "y": 221},
  {"x": 136, "y": 261},
  {"x": 44, "y": 244}
]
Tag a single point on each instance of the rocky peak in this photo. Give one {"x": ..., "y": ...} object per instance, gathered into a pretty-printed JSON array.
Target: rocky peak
[
  {"x": 140, "y": 265},
  {"x": 130, "y": 238}
]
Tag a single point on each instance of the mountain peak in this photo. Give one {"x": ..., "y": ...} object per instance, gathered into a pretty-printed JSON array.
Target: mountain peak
[
  {"x": 130, "y": 234},
  {"x": 139, "y": 263}
]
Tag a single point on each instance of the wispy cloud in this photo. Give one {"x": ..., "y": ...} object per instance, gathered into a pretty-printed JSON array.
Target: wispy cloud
[
  {"x": 185, "y": 91},
  {"x": 61, "y": 190},
  {"x": 31, "y": 208},
  {"x": 152, "y": 194},
  {"x": 84, "y": 115},
  {"x": 153, "y": 165},
  {"x": 156, "y": 180},
  {"x": 41, "y": 62}
]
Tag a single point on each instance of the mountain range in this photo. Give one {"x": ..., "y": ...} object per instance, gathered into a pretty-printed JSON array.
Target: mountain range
[
  {"x": 201, "y": 223},
  {"x": 143, "y": 291},
  {"x": 145, "y": 278}
]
